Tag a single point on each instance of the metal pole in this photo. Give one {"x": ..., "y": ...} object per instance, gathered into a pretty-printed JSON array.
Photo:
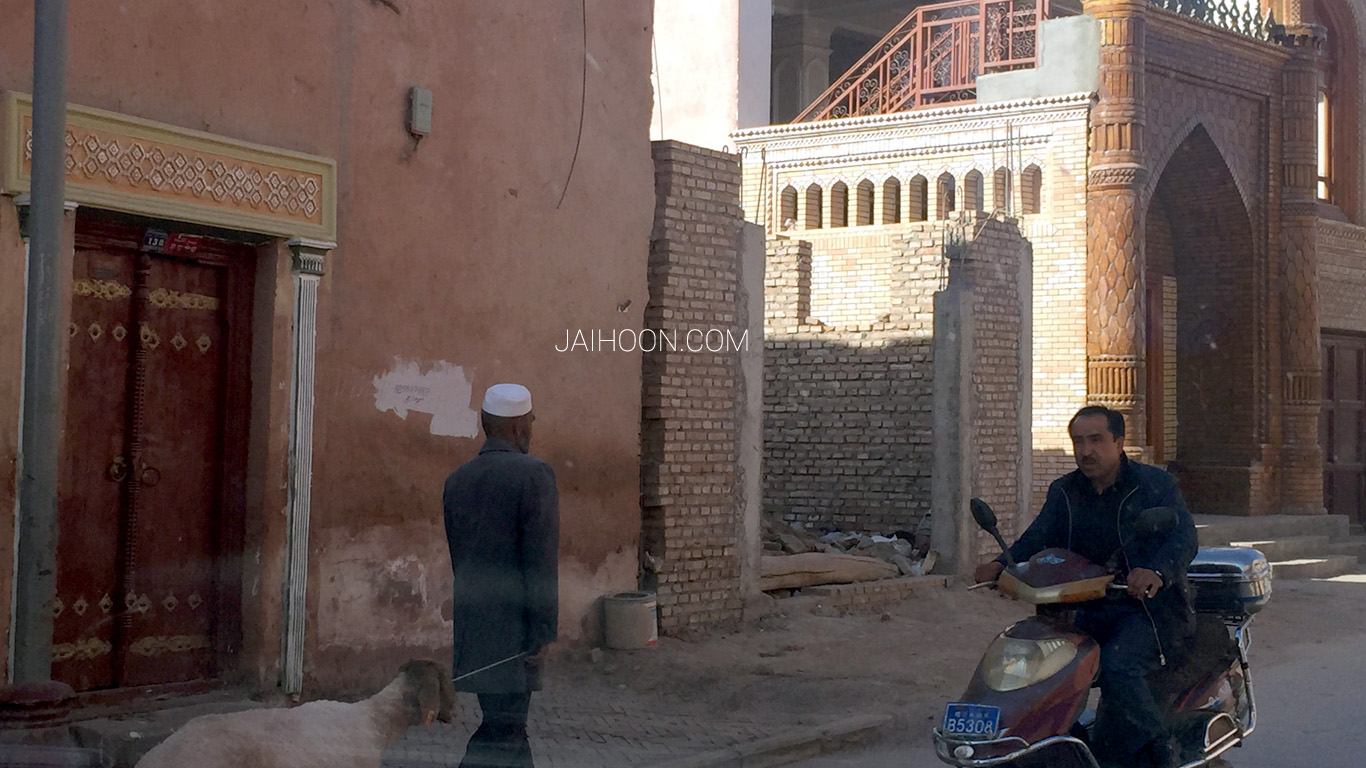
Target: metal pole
[{"x": 37, "y": 525}]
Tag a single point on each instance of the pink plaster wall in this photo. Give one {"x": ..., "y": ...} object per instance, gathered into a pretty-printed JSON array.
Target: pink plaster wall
[
  {"x": 453, "y": 253},
  {"x": 11, "y": 384}
]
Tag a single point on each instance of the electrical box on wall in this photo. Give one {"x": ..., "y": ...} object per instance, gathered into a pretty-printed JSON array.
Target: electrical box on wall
[{"x": 419, "y": 111}]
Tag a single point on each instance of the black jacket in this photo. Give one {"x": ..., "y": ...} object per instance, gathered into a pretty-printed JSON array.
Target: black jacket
[
  {"x": 1098, "y": 536},
  {"x": 503, "y": 529}
]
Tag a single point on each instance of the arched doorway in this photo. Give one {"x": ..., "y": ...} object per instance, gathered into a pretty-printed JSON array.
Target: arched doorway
[{"x": 1201, "y": 306}]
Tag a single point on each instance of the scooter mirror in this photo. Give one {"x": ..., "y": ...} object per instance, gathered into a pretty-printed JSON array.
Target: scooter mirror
[
  {"x": 983, "y": 514},
  {"x": 1155, "y": 520}
]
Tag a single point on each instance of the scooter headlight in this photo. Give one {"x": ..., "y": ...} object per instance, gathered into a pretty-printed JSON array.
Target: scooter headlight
[{"x": 1013, "y": 662}]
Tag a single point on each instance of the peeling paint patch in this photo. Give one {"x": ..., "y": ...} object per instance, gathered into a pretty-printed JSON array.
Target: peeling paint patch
[
  {"x": 443, "y": 391},
  {"x": 389, "y": 584}
]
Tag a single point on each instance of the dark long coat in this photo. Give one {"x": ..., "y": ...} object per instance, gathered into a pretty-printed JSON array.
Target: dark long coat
[
  {"x": 503, "y": 528},
  {"x": 1071, "y": 517}
]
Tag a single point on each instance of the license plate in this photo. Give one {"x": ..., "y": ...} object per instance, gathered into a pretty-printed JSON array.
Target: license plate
[{"x": 971, "y": 720}]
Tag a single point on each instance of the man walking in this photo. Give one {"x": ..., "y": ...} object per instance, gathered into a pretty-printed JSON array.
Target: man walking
[
  {"x": 501, "y": 512},
  {"x": 1090, "y": 512}
]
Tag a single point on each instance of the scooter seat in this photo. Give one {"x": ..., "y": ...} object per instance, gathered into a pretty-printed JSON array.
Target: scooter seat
[{"x": 1208, "y": 652}]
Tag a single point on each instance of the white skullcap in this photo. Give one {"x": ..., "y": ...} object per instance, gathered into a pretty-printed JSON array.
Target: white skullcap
[{"x": 507, "y": 400}]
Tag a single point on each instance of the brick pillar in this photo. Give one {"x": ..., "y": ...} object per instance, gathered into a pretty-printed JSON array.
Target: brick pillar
[
  {"x": 692, "y": 394},
  {"x": 1114, "y": 261},
  {"x": 1301, "y": 363},
  {"x": 787, "y": 284}
]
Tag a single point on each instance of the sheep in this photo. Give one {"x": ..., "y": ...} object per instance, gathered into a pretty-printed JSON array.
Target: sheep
[{"x": 319, "y": 734}]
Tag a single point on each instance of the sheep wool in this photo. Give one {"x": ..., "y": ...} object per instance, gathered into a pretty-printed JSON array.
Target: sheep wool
[{"x": 318, "y": 734}]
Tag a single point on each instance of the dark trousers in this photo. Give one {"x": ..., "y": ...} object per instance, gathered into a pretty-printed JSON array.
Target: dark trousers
[
  {"x": 1128, "y": 718},
  {"x": 501, "y": 740}
]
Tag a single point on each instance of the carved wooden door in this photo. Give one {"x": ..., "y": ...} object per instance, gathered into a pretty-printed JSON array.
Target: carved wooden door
[
  {"x": 141, "y": 535},
  {"x": 91, "y": 495},
  {"x": 1342, "y": 426}
]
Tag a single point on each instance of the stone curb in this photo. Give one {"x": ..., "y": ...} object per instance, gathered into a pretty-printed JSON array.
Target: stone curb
[{"x": 788, "y": 747}]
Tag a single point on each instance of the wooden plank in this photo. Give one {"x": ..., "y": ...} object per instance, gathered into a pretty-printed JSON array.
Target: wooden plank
[{"x": 812, "y": 568}]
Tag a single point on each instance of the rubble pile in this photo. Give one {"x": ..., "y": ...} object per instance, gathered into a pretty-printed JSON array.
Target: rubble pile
[{"x": 793, "y": 557}]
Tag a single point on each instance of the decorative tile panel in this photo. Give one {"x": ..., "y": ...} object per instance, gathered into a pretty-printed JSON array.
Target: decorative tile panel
[{"x": 129, "y": 164}]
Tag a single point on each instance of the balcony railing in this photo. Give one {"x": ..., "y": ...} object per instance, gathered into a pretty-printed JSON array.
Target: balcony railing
[
  {"x": 934, "y": 56},
  {"x": 1242, "y": 16}
]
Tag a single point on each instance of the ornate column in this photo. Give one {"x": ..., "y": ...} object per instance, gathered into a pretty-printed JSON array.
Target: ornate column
[
  {"x": 308, "y": 259},
  {"x": 1114, "y": 220},
  {"x": 1301, "y": 355}
]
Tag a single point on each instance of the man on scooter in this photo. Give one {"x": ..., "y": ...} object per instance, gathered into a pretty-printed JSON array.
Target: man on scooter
[{"x": 1090, "y": 512}]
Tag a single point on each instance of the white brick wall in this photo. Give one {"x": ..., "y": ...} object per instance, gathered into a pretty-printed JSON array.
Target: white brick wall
[{"x": 850, "y": 266}]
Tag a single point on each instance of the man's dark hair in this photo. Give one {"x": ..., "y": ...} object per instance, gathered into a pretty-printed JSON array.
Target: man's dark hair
[{"x": 1114, "y": 420}]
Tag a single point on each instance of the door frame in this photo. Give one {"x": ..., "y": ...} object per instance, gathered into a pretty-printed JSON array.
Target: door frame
[{"x": 1356, "y": 515}]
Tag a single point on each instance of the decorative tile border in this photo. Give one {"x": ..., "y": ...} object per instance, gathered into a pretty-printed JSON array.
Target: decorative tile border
[{"x": 138, "y": 166}]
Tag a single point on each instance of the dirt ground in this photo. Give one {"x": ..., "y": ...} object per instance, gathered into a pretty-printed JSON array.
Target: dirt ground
[{"x": 905, "y": 661}]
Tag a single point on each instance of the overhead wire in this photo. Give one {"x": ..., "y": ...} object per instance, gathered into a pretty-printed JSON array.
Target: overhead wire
[{"x": 583, "y": 103}]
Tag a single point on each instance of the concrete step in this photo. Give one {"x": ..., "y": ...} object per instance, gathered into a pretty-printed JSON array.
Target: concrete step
[
  {"x": 1289, "y": 547},
  {"x": 1354, "y": 546},
  {"x": 1220, "y": 530},
  {"x": 1314, "y": 567}
]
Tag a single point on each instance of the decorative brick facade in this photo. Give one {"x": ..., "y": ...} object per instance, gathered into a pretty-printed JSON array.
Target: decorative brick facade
[
  {"x": 691, "y": 400},
  {"x": 1342, "y": 276}
]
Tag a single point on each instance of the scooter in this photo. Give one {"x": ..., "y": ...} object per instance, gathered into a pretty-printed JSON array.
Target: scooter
[{"x": 1026, "y": 705}]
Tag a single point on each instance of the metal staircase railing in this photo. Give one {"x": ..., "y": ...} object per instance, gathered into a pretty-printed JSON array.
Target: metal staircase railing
[{"x": 934, "y": 56}]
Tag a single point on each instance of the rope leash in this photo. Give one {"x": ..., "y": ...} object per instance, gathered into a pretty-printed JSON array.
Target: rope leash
[{"x": 487, "y": 667}]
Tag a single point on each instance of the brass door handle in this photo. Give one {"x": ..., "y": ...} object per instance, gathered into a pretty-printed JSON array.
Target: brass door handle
[
  {"x": 150, "y": 475},
  {"x": 118, "y": 469}
]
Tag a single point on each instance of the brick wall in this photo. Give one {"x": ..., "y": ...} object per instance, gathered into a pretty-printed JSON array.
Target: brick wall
[
  {"x": 852, "y": 274},
  {"x": 1170, "y": 299},
  {"x": 1043, "y": 140},
  {"x": 1058, "y": 301},
  {"x": 848, "y": 423},
  {"x": 691, "y": 398},
  {"x": 992, "y": 269},
  {"x": 847, "y": 408},
  {"x": 863, "y": 597},
  {"x": 787, "y": 275}
]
